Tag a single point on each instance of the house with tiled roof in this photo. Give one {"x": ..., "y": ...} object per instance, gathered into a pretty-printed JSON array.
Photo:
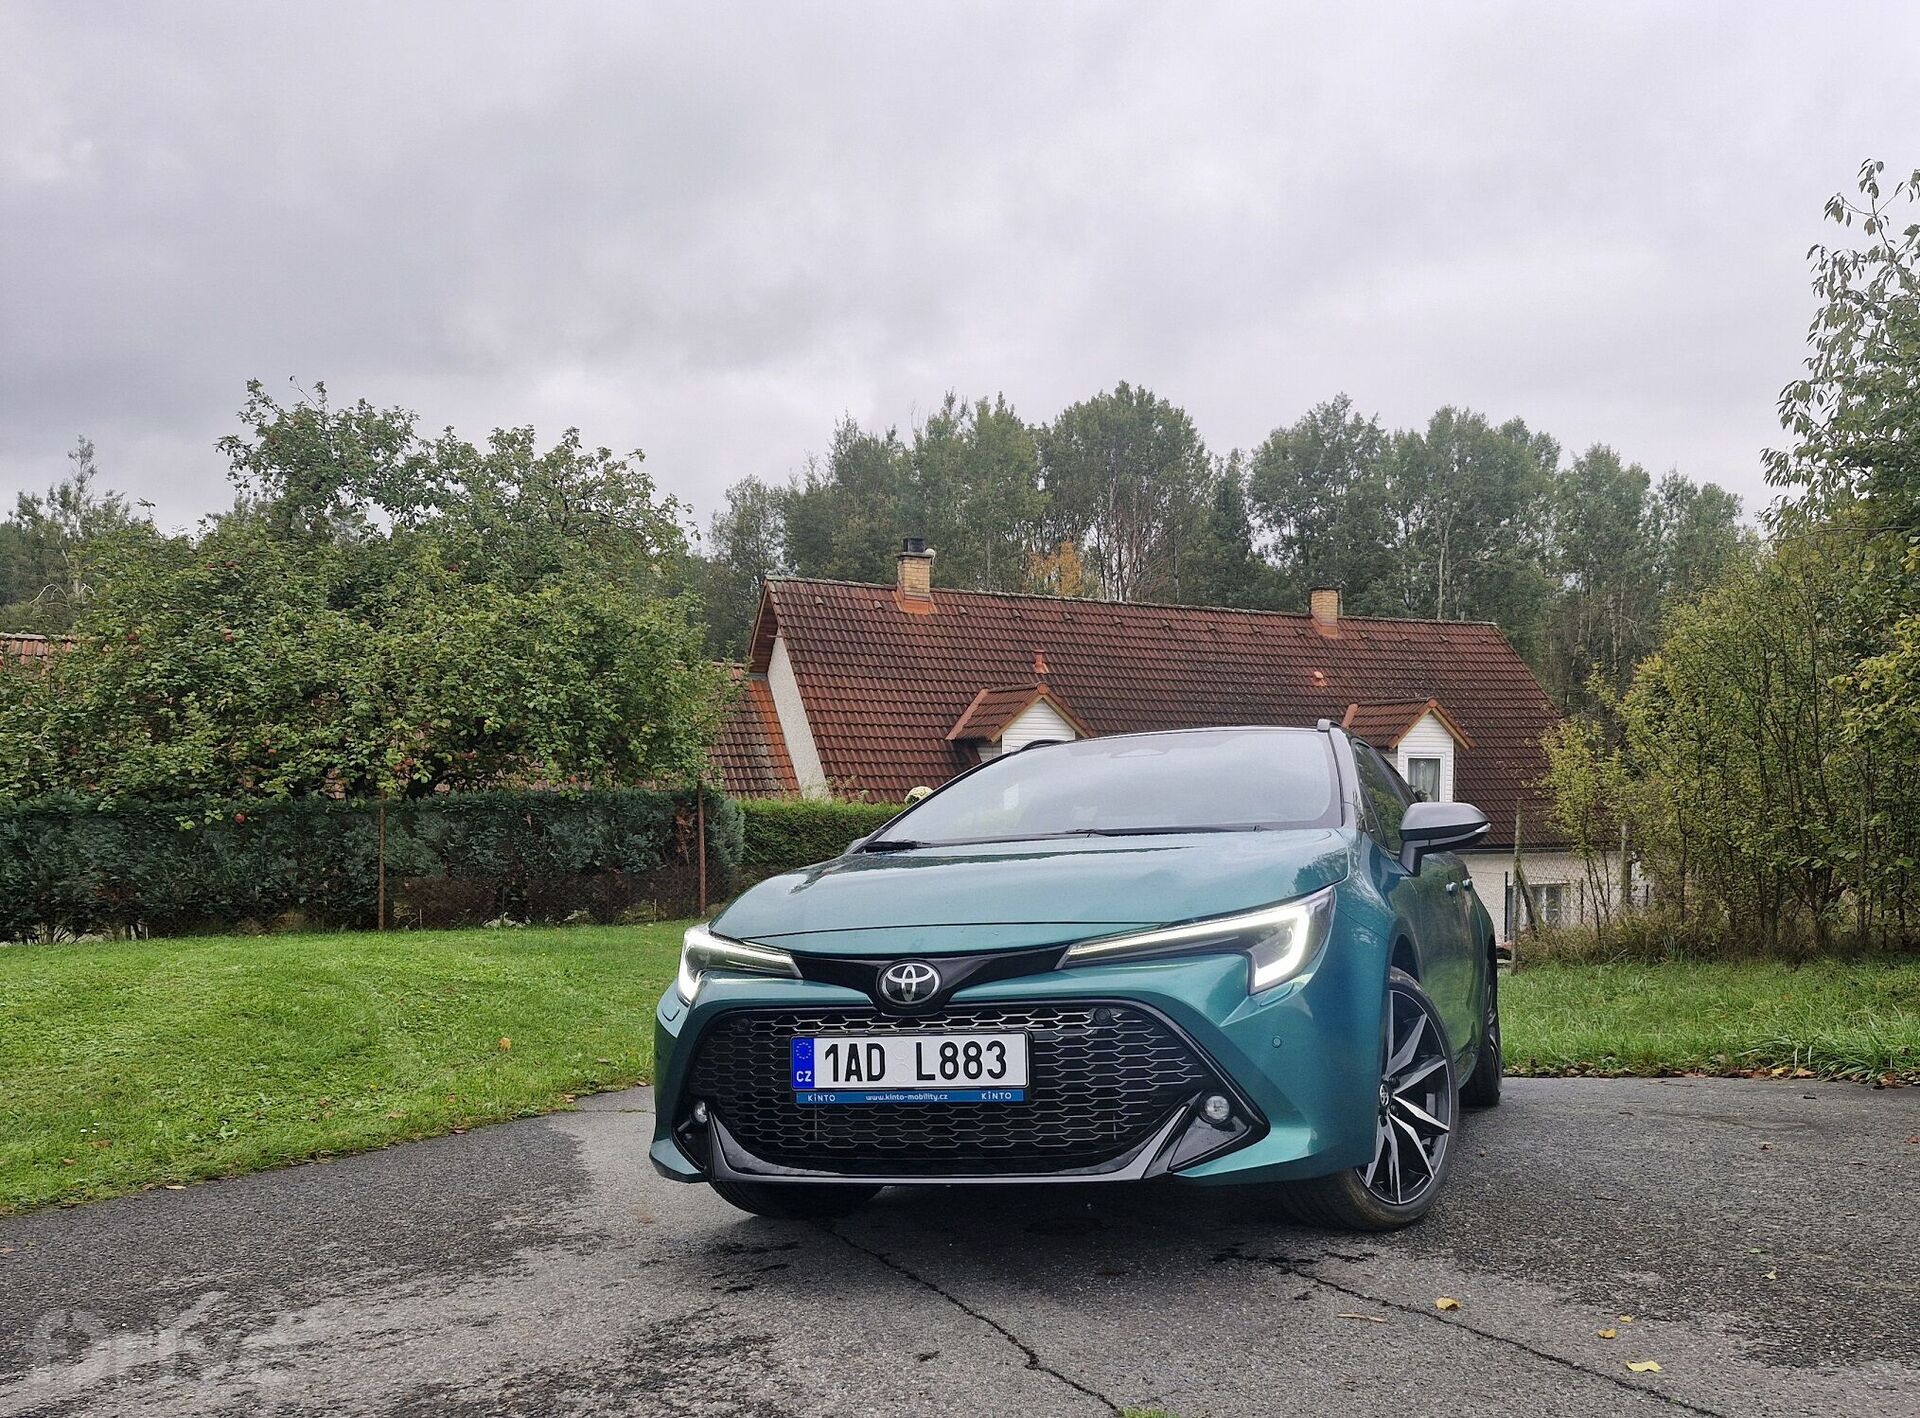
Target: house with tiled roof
[
  {"x": 871, "y": 691},
  {"x": 21, "y": 649}
]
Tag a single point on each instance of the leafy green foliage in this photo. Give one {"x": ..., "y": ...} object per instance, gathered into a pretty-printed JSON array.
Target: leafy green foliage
[
  {"x": 57, "y": 547},
  {"x": 1320, "y": 488},
  {"x": 1127, "y": 479},
  {"x": 784, "y": 834},
  {"x": 382, "y": 616},
  {"x": 1766, "y": 750},
  {"x": 746, "y": 548},
  {"x": 1223, "y": 567},
  {"x": 72, "y": 866}
]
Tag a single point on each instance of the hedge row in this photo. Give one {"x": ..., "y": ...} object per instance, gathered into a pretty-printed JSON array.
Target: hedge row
[
  {"x": 72, "y": 866},
  {"x": 69, "y": 866},
  {"x": 783, "y": 834}
]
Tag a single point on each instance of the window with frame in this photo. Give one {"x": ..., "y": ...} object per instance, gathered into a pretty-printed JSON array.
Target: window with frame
[
  {"x": 1550, "y": 903},
  {"x": 1423, "y": 776}
]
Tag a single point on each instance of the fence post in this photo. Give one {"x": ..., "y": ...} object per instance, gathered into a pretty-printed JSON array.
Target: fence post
[
  {"x": 380, "y": 817},
  {"x": 700, "y": 832}
]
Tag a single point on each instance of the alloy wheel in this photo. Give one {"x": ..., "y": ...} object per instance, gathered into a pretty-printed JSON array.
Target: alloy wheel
[{"x": 1415, "y": 1117}]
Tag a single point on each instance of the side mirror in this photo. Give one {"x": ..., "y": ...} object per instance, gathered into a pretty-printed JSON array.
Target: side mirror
[{"x": 1438, "y": 827}]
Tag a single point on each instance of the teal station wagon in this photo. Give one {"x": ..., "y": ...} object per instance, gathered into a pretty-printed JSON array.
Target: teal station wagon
[{"x": 1213, "y": 955}]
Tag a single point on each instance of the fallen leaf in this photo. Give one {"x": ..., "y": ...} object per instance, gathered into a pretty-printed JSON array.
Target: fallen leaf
[
  {"x": 1773, "y": 1275},
  {"x": 505, "y": 1043},
  {"x": 395, "y": 1115},
  {"x": 176, "y": 1186},
  {"x": 66, "y": 1161},
  {"x": 1350, "y": 1315},
  {"x": 1446, "y": 1302},
  {"x": 1643, "y": 1366},
  {"x": 1609, "y": 1334},
  {"x": 1626, "y": 1319}
]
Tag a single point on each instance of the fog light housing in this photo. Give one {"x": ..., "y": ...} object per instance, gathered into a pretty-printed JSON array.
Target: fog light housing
[
  {"x": 1217, "y": 1109},
  {"x": 700, "y": 1113}
]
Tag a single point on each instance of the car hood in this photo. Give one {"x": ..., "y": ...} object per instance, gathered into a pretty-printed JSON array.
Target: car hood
[{"x": 1005, "y": 895}]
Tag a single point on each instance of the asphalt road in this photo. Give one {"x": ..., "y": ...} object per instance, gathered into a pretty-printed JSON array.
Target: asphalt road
[{"x": 1765, "y": 1238}]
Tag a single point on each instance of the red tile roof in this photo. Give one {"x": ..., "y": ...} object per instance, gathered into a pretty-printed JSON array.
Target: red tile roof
[
  {"x": 750, "y": 753},
  {"x": 882, "y": 688},
  {"x": 28, "y": 649},
  {"x": 992, "y": 710}
]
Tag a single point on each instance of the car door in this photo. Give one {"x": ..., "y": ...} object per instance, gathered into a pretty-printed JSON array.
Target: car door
[{"x": 1434, "y": 902}]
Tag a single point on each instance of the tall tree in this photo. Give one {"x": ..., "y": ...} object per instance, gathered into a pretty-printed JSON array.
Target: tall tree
[
  {"x": 1471, "y": 501},
  {"x": 1603, "y": 619},
  {"x": 1222, "y": 568},
  {"x": 976, "y": 480},
  {"x": 843, "y": 517},
  {"x": 1320, "y": 487},
  {"x": 1127, "y": 477},
  {"x": 59, "y": 546},
  {"x": 1697, "y": 537},
  {"x": 746, "y": 547}
]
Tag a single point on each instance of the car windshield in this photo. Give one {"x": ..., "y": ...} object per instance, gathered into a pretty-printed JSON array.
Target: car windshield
[{"x": 1212, "y": 780}]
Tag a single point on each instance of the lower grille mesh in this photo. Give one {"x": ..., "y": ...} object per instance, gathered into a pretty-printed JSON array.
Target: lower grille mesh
[{"x": 1103, "y": 1075}]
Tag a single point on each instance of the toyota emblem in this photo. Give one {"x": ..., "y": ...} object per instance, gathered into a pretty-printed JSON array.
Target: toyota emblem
[{"x": 909, "y": 982}]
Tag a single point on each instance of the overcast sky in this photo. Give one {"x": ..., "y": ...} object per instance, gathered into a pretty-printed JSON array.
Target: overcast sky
[{"x": 709, "y": 231}]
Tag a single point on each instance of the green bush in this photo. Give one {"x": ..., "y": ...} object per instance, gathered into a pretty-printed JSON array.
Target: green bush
[
  {"x": 782, "y": 834},
  {"x": 73, "y": 866}
]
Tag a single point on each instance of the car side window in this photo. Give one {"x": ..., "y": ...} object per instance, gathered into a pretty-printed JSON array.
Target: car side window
[{"x": 1385, "y": 799}]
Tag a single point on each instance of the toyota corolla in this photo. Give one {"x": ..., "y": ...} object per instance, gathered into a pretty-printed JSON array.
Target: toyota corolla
[{"x": 1212, "y": 955}]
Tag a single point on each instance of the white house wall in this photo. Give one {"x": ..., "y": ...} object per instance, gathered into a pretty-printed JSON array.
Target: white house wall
[
  {"x": 1429, "y": 739},
  {"x": 1492, "y": 872},
  {"x": 1038, "y": 721},
  {"x": 794, "y": 727}
]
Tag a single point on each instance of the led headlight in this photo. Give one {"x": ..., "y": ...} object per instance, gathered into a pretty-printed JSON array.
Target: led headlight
[
  {"x": 701, "y": 950},
  {"x": 1279, "y": 941}
]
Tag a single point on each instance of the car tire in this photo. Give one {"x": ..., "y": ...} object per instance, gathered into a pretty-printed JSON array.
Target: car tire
[
  {"x": 1369, "y": 1198},
  {"x": 794, "y": 1200},
  {"x": 1482, "y": 1088}
]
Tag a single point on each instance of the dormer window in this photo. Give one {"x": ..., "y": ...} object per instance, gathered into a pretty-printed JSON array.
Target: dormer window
[
  {"x": 1418, "y": 737},
  {"x": 1008, "y": 718}
]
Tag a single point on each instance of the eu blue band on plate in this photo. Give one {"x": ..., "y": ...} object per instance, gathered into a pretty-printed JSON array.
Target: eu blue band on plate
[{"x": 803, "y": 1063}]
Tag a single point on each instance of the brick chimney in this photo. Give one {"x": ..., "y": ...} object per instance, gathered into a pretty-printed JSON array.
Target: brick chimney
[
  {"x": 913, "y": 586},
  {"x": 1324, "y": 604}
]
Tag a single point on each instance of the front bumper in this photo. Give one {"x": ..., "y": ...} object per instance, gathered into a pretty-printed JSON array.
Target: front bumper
[{"x": 1300, "y": 1064}]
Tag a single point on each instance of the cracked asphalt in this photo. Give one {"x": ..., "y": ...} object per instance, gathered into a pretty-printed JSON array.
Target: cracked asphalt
[{"x": 1764, "y": 1237}]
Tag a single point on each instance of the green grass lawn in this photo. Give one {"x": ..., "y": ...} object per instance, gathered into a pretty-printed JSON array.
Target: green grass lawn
[
  {"x": 133, "y": 1063},
  {"x": 1837, "y": 1019},
  {"x": 130, "y": 1064}
]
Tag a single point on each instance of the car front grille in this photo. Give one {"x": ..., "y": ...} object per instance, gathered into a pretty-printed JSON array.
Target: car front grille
[{"x": 1102, "y": 1077}]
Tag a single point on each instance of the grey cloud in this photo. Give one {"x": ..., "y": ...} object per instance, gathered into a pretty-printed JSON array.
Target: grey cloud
[{"x": 708, "y": 231}]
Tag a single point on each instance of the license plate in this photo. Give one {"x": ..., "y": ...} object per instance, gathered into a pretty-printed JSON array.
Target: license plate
[{"x": 910, "y": 1068}]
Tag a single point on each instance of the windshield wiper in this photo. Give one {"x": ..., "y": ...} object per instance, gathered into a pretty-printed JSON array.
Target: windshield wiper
[
  {"x": 1156, "y": 831},
  {"x": 892, "y": 844}
]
